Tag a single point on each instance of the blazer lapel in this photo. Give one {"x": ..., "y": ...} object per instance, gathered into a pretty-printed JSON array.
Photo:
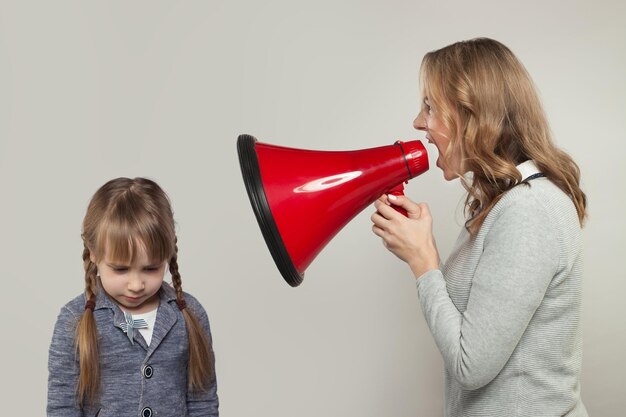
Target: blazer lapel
[
  {"x": 103, "y": 301},
  {"x": 166, "y": 318}
]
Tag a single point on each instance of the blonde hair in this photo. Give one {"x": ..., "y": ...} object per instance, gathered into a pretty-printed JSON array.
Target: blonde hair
[
  {"x": 486, "y": 98},
  {"x": 123, "y": 214}
]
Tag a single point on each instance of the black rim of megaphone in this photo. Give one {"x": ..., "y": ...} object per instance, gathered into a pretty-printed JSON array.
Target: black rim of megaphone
[{"x": 254, "y": 186}]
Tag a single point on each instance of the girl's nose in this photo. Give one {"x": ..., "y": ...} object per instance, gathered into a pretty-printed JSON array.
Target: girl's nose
[
  {"x": 135, "y": 283},
  {"x": 420, "y": 121}
]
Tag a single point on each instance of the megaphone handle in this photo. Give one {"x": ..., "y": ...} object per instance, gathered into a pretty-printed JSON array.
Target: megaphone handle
[{"x": 398, "y": 190}]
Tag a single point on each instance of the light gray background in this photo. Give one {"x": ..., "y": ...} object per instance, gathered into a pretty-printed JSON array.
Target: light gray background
[{"x": 90, "y": 91}]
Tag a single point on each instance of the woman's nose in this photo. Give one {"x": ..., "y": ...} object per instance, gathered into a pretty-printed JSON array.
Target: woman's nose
[{"x": 420, "y": 121}]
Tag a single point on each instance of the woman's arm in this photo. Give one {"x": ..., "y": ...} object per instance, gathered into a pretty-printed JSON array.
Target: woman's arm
[{"x": 519, "y": 259}]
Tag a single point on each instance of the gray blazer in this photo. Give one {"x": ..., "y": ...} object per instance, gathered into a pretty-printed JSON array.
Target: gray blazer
[{"x": 136, "y": 380}]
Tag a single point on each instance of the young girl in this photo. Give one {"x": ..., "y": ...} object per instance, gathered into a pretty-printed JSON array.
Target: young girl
[
  {"x": 131, "y": 345},
  {"x": 504, "y": 309}
]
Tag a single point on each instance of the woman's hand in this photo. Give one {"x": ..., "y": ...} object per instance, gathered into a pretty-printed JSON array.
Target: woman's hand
[{"x": 409, "y": 238}]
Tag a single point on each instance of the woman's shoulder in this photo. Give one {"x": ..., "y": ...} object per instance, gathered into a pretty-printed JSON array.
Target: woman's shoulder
[
  {"x": 538, "y": 205},
  {"x": 540, "y": 195}
]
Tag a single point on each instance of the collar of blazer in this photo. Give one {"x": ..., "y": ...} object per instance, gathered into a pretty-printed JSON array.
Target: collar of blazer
[{"x": 167, "y": 315}]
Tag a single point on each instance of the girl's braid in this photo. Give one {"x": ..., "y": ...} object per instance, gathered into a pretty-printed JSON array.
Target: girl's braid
[
  {"x": 176, "y": 280},
  {"x": 200, "y": 369},
  {"x": 91, "y": 273},
  {"x": 87, "y": 338}
]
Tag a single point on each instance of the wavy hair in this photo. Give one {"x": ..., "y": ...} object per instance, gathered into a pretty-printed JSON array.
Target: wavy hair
[
  {"x": 123, "y": 214},
  {"x": 487, "y": 99}
]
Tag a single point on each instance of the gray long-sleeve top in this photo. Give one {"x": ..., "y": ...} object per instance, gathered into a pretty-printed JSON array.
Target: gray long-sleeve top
[
  {"x": 136, "y": 379},
  {"x": 505, "y": 309}
]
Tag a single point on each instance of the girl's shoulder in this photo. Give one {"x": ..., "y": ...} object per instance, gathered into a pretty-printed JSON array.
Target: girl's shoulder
[
  {"x": 75, "y": 306},
  {"x": 194, "y": 304},
  {"x": 169, "y": 294},
  {"x": 71, "y": 312}
]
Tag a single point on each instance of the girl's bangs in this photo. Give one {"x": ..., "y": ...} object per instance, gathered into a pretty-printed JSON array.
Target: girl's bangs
[{"x": 123, "y": 242}]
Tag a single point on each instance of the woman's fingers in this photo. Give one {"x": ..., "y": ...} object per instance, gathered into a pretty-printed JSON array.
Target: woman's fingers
[{"x": 412, "y": 208}]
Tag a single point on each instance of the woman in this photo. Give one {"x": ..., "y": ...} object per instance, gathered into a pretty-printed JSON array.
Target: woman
[{"x": 504, "y": 309}]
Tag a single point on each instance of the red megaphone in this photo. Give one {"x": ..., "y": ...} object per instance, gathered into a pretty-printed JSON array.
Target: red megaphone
[{"x": 302, "y": 198}]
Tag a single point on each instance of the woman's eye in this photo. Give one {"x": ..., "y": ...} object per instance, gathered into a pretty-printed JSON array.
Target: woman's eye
[{"x": 427, "y": 106}]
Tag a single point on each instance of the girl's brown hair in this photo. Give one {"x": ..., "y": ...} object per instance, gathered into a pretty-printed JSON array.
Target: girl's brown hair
[
  {"x": 485, "y": 96},
  {"x": 122, "y": 214}
]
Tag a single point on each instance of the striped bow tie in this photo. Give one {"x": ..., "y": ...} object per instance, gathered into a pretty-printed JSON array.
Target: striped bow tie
[{"x": 130, "y": 325}]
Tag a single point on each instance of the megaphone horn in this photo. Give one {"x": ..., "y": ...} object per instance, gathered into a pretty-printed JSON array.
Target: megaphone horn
[{"x": 302, "y": 198}]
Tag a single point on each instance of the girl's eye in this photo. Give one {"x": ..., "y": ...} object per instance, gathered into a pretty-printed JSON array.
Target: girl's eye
[
  {"x": 120, "y": 269},
  {"x": 151, "y": 268}
]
